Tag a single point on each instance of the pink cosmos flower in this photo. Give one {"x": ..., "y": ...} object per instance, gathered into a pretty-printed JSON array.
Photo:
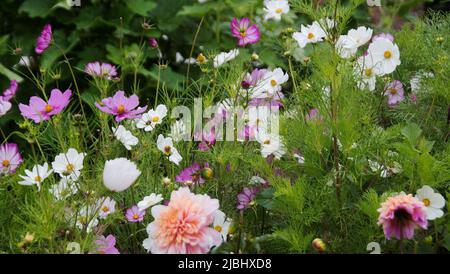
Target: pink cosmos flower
[
  {"x": 184, "y": 225},
  {"x": 9, "y": 93},
  {"x": 246, "y": 197},
  {"x": 44, "y": 40},
  {"x": 394, "y": 92},
  {"x": 106, "y": 245},
  {"x": 400, "y": 215},
  {"x": 102, "y": 70},
  {"x": 135, "y": 215},
  {"x": 10, "y": 158},
  {"x": 38, "y": 110},
  {"x": 207, "y": 139},
  {"x": 388, "y": 36},
  {"x": 5, "y": 106},
  {"x": 242, "y": 30},
  {"x": 121, "y": 106},
  {"x": 191, "y": 175}
]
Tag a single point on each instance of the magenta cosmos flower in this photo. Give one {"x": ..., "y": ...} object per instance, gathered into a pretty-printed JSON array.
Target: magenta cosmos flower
[
  {"x": 121, "y": 106},
  {"x": 135, "y": 215},
  {"x": 38, "y": 110},
  {"x": 394, "y": 92},
  {"x": 44, "y": 40},
  {"x": 102, "y": 70},
  {"x": 184, "y": 225},
  {"x": 191, "y": 175},
  {"x": 10, "y": 158},
  {"x": 106, "y": 245},
  {"x": 245, "y": 33},
  {"x": 9, "y": 93},
  {"x": 400, "y": 215},
  {"x": 246, "y": 197}
]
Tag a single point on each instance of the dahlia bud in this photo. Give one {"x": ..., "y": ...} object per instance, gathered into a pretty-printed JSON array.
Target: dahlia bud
[
  {"x": 319, "y": 245},
  {"x": 207, "y": 173}
]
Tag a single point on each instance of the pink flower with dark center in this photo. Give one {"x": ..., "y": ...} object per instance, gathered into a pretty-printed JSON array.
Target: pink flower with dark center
[
  {"x": 395, "y": 93},
  {"x": 135, "y": 215},
  {"x": 121, "y": 106},
  {"x": 400, "y": 215},
  {"x": 106, "y": 245},
  {"x": 10, "y": 158},
  {"x": 9, "y": 93},
  {"x": 102, "y": 70},
  {"x": 191, "y": 175},
  {"x": 388, "y": 36},
  {"x": 184, "y": 225},
  {"x": 245, "y": 33},
  {"x": 44, "y": 40},
  {"x": 246, "y": 197},
  {"x": 39, "y": 110}
]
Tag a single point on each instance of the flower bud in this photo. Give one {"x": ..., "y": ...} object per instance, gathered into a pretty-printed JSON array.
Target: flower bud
[
  {"x": 153, "y": 42},
  {"x": 319, "y": 245},
  {"x": 207, "y": 173}
]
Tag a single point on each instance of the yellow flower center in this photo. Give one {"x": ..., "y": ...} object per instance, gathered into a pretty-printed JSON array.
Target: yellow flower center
[
  {"x": 201, "y": 58},
  {"x": 5, "y": 163},
  {"x": 105, "y": 209},
  {"x": 279, "y": 11},
  {"x": 267, "y": 142},
  {"x": 155, "y": 119},
  {"x": 310, "y": 35},
  {"x": 218, "y": 228},
  {"x": 393, "y": 91},
  {"x": 70, "y": 168},
  {"x": 273, "y": 83},
  {"x": 135, "y": 216},
  {"x": 368, "y": 72},
  {"x": 121, "y": 109},
  {"x": 38, "y": 179},
  {"x": 48, "y": 108},
  {"x": 243, "y": 33},
  {"x": 167, "y": 149},
  {"x": 387, "y": 54},
  {"x": 426, "y": 202}
]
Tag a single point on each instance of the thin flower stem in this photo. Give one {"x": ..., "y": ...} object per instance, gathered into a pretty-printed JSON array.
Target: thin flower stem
[{"x": 192, "y": 49}]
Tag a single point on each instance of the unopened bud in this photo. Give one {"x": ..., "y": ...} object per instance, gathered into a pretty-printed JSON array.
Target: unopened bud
[{"x": 319, "y": 245}]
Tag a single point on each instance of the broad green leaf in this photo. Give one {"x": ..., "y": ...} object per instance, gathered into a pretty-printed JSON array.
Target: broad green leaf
[
  {"x": 141, "y": 7},
  {"x": 10, "y": 74},
  {"x": 41, "y": 8},
  {"x": 412, "y": 133},
  {"x": 196, "y": 10}
]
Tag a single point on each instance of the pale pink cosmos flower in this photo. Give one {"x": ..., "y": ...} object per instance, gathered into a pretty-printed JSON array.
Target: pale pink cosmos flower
[
  {"x": 44, "y": 40},
  {"x": 400, "y": 215},
  {"x": 9, "y": 93},
  {"x": 395, "y": 93},
  {"x": 102, "y": 70},
  {"x": 135, "y": 215},
  {"x": 184, "y": 225},
  {"x": 39, "y": 110},
  {"x": 245, "y": 33},
  {"x": 106, "y": 245},
  {"x": 10, "y": 158},
  {"x": 121, "y": 106}
]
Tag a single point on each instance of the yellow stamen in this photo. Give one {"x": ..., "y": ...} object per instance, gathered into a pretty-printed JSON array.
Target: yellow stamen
[
  {"x": 201, "y": 58},
  {"x": 121, "y": 109},
  {"x": 105, "y": 209},
  {"x": 167, "y": 149},
  {"x": 5, "y": 163},
  {"x": 368, "y": 72},
  {"x": 155, "y": 119},
  {"x": 393, "y": 91},
  {"x": 243, "y": 33},
  {"x": 48, "y": 108},
  {"x": 135, "y": 216},
  {"x": 426, "y": 202},
  {"x": 387, "y": 54},
  {"x": 267, "y": 142},
  {"x": 273, "y": 83},
  {"x": 310, "y": 35},
  {"x": 279, "y": 11},
  {"x": 218, "y": 228},
  {"x": 37, "y": 179},
  {"x": 70, "y": 168}
]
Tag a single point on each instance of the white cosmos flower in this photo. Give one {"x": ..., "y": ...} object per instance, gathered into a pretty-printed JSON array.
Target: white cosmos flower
[
  {"x": 5, "y": 106},
  {"x": 64, "y": 189},
  {"x": 366, "y": 72},
  {"x": 271, "y": 84},
  {"x": 178, "y": 131},
  {"x": 386, "y": 54},
  {"x": 125, "y": 137},
  {"x": 107, "y": 206},
  {"x": 166, "y": 146},
  {"x": 178, "y": 58},
  {"x": 224, "y": 57},
  {"x": 68, "y": 165},
  {"x": 149, "y": 120},
  {"x": 373, "y": 3},
  {"x": 222, "y": 224},
  {"x": 300, "y": 158},
  {"x": 309, "y": 34},
  {"x": 433, "y": 201},
  {"x": 270, "y": 145},
  {"x": 346, "y": 47},
  {"x": 149, "y": 201},
  {"x": 275, "y": 8},
  {"x": 361, "y": 35},
  {"x": 87, "y": 218},
  {"x": 36, "y": 176},
  {"x": 377, "y": 167},
  {"x": 119, "y": 174}
]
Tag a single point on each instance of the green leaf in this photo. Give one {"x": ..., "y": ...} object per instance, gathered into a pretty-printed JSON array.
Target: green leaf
[
  {"x": 10, "y": 74},
  {"x": 265, "y": 198},
  {"x": 197, "y": 10},
  {"x": 35, "y": 8},
  {"x": 141, "y": 7},
  {"x": 412, "y": 133}
]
